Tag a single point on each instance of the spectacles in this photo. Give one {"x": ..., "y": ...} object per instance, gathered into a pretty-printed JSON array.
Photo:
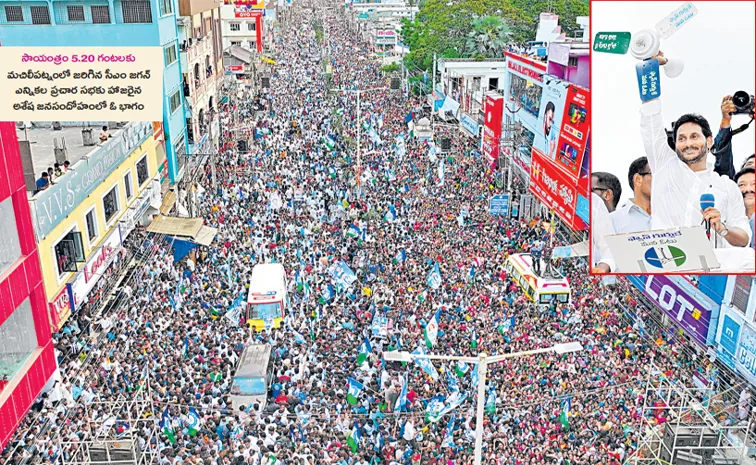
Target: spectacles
[
  {"x": 643, "y": 173},
  {"x": 600, "y": 189}
]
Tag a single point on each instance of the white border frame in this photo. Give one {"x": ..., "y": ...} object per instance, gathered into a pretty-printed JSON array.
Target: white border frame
[
  {"x": 58, "y": 275},
  {"x": 116, "y": 215},
  {"x": 134, "y": 190},
  {"x": 140, "y": 187},
  {"x": 98, "y": 236}
]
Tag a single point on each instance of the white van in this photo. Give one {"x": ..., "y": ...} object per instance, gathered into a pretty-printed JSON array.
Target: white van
[{"x": 268, "y": 299}]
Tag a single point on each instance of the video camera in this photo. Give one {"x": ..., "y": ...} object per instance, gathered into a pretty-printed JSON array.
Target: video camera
[{"x": 743, "y": 102}]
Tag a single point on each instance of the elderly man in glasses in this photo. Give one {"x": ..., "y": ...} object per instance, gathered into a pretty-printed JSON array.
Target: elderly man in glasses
[{"x": 635, "y": 214}]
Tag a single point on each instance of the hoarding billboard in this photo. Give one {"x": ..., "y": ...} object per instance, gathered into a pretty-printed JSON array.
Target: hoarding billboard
[
  {"x": 494, "y": 106},
  {"x": 555, "y": 189}
]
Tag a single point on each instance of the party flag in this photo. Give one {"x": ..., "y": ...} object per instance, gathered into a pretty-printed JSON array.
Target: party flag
[{"x": 355, "y": 388}]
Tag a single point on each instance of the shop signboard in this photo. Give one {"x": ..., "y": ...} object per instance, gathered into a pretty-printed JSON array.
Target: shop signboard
[
  {"x": 54, "y": 204},
  {"x": 574, "y": 130},
  {"x": 550, "y": 118},
  {"x": 692, "y": 311},
  {"x": 494, "y": 107},
  {"x": 469, "y": 124},
  {"x": 235, "y": 68},
  {"x": 60, "y": 309},
  {"x": 745, "y": 356},
  {"x": 257, "y": 4},
  {"x": 555, "y": 189},
  {"x": 246, "y": 14},
  {"x": 99, "y": 260},
  {"x": 728, "y": 336}
]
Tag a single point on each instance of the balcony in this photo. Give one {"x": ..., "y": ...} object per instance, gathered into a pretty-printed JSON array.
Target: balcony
[
  {"x": 193, "y": 7},
  {"x": 194, "y": 49}
]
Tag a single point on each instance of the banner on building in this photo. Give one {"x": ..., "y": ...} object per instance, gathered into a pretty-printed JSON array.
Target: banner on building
[
  {"x": 692, "y": 311},
  {"x": 99, "y": 261},
  {"x": 550, "y": 114},
  {"x": 60, "y": 309},
  {"x": 574, "y": 130},
  {"x": 745, "y": 356},
  {"x": 555, "y": 189},
  {"x": 493, "y": 110},
  {"x": 257, "y": 4},
  {"x": 728, "y": 336}
]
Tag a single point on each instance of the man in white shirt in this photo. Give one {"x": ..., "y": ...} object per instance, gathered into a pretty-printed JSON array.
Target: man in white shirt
[
  {"x": 635, "y": 215},
  {"x": 601, "y": 226},
  {"x": 682, "y": 175}
]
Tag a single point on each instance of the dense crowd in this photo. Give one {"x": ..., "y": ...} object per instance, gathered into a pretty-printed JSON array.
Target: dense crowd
[{"x": 292, "y": 199}]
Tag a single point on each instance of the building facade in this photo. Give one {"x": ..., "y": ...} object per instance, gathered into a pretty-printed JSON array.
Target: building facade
[
  {"x": 112, "y": 23},
  {"x": 81, "y": 221},
  {"x": 201, "y": 48},
  {"x": 243, "y": 27},
  {"x": 27, "y": 358}
]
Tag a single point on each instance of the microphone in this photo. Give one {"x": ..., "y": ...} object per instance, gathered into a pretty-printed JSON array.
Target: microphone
[{"x": 707, "y": 200}]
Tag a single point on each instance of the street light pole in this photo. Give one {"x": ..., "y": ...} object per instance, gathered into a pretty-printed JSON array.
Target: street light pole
[
  {"x": 482, "y": 360},
  {"x": 482, "y": 369}
]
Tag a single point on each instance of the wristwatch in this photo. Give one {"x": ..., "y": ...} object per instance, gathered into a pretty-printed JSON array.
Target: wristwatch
[{"x": 724, "y": 232}]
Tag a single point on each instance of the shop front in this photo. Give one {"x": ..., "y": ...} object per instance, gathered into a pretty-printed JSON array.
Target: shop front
[{"x": 95, "y": 272}]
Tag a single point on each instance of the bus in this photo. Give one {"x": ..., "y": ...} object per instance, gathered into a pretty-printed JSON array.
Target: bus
[
  {"x": 538, "y": 289},
  {"x": 253, "y": 377},
  {"x": 268, "y": 300}
]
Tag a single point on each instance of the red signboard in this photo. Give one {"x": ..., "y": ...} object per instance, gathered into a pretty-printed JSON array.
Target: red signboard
[
  {"x": 555, "y": 189},
  {"x": 576, "y": 124},
  {"x": 232, "y": 68},
  {"x": 535, "y": 64},
  {"x": 530, "y": 73},
  {"x": 247, "y": 14},
  {"x": 494, "y": 106},
  {"x": 60, "y": 309},
  {"x": 259, "y": 30},
  {"x": 246, "y": 3}
]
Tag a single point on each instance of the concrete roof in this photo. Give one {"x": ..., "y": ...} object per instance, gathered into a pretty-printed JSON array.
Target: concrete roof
[{"x": 42, "y": 142}]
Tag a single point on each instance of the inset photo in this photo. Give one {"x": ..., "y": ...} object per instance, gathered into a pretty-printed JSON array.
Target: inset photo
[{"x": 672, "y": 165}]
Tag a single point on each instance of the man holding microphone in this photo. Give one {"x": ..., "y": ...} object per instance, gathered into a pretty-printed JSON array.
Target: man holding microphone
[{"x": 682, "y": 175}]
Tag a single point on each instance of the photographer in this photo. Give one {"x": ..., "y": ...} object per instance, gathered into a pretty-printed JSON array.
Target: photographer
[{"x": 722, "y": 147}]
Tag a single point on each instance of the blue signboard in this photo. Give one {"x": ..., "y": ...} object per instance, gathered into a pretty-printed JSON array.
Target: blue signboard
[
  {"x": 583, "y": 209},
  {"x": 54, "y": 204},
  {"x": 728, "y": 340},
  {"x": 499, "y": 205},
  {"x": 745, "y": 356},
  {"x": 648, "y": 79},
  {"x": 469, "y": 124}
]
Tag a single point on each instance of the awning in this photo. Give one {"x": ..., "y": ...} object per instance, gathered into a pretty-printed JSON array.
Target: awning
[
  {"x": 206, "y": 235},
  {"x": 170, "y": 226},
  {"x": 569, "y": 251},
  {"x": 168, "y": 201}
]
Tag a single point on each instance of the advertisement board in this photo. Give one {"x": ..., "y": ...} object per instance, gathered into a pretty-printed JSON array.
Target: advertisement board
[
  {"x": 692, "y": 311},
  {"x": 469, "y": 124},
  {"x": 745, "y": 356},
  {"x": 728, "y": 336},
  {"x": 60, "y": 309},
  {"x": 555, "y": 189},
  {"x": 493, "y": 106},
  {"x": 98, "y": 262},
  {"x": 550, "y": 118},
  {"x": 575, "y": 129},
  {"x": 257, "y": 4},
  {"x": 524, "y": 86},
  {"x": 242, "y": 12}
]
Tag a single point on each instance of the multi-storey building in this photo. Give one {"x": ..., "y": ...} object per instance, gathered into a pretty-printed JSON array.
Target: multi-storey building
[
  {"x": 126, "y": 23},
  {"x": 27, "y": 359},
  {"x": 201, "y": 48},
  {"x": 243, "y": 25}
]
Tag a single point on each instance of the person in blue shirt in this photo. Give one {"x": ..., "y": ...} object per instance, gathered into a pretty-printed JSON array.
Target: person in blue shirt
[
  {"x": 635, "y": 214},
  {"x": 43, "y": 182}
]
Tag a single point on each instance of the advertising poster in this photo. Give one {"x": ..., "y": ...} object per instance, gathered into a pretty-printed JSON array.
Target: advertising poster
[
  {"x": 682, "y": 302},
  {"x": 550, "y": 117},
  {"x": 574, "y": 131},
  {"x": 728, "y": 337},
  {"x": 555, "y": 189},
  {"x": 494, "y": 107},
  {"x": 256, "y": 4},
  {"x": 745, "y": 358},
  {"x": 524, "y": 89}
]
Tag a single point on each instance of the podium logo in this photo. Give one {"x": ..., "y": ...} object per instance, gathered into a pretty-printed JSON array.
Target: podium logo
[{"x": 665, "y": 257}]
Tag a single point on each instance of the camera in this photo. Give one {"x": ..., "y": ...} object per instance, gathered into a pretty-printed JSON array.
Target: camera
[{"x": 743, "y": 103}]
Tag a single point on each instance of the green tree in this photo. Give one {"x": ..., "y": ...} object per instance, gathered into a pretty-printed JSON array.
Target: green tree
[{"x": 489, "y": 37}]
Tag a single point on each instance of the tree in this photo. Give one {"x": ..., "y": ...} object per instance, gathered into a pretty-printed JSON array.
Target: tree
[{"x": 489, "y": 37}]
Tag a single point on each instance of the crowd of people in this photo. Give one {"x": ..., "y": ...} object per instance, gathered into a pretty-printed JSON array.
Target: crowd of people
[{"x": 294, "y": 198}]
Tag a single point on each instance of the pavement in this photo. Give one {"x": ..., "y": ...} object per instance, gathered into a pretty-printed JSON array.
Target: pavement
[{"x": 42, "y": 144}]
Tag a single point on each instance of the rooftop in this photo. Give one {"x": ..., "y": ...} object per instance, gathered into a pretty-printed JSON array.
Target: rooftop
[{"x": 42, "y": 139}]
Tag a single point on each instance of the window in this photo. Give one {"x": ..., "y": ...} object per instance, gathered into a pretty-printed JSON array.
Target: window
[
  {"x": 129, "y": 187},
  {"x": 75, "y": 12},
  {"x": 143, "y": 171},
  {"x": 572, "y": 62},
  {"x": 18, "y": 340},
  {"x": 170, "y": 54},
  {"x": 110, "y": 204},
  {"x": 40, "y": 14},
  {"x": 136, "y": 11},
  {"x": 493, "y": 83},
  {"x": 100, "y": 14},
  {"x": 14, "y": 14},
  {"x": 166, "y": 7},
  {"x": 235, "y": 27},
  {"x": 250, "y": 26},
  {"x": 175, "y": 101},
  {"x": 69, "y": 251},
  {"x": 91, "y": 218},
  {"x": 10, "y": 246},
  {"x": 236, "y": 43}
]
